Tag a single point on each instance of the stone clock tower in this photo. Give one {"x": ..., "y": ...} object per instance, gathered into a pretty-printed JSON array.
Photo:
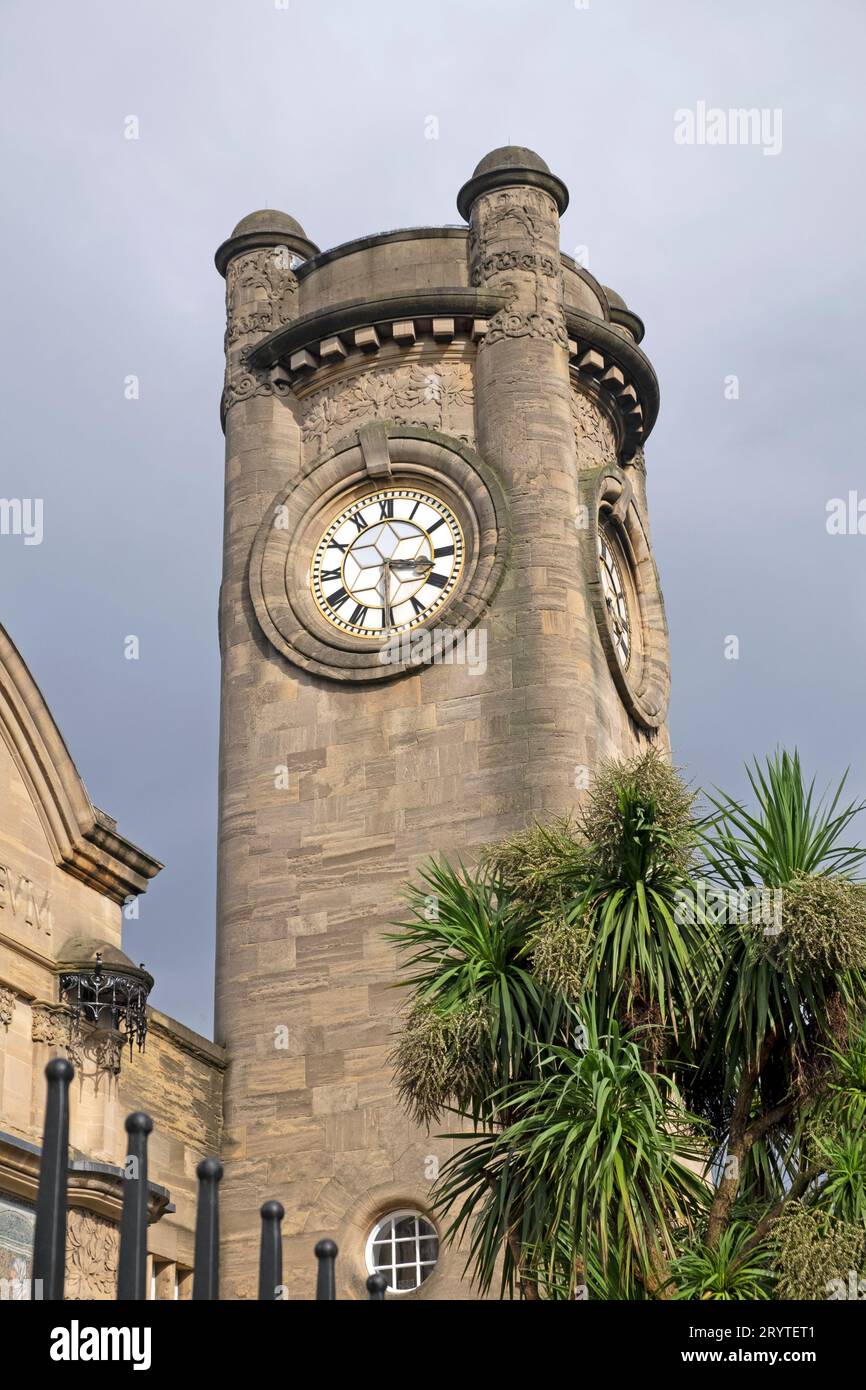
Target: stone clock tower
[{"x": 439, "y": 611}]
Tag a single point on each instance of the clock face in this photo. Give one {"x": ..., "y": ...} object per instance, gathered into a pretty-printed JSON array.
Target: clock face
[
  {"x": 387, "y": 562},
  {"x": 615, "y": 599}
]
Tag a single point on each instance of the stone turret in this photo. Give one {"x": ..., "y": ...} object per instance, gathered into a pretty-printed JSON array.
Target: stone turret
[{"x": 439, "y": 611}]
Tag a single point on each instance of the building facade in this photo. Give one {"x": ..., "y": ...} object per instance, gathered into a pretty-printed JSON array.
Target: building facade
[
  {"x": 66, "y": 877},
  {"x": 439, "y": 612}
]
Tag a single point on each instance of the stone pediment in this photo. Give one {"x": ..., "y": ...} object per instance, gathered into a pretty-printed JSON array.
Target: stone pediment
[{"x": 82, "y": 839}]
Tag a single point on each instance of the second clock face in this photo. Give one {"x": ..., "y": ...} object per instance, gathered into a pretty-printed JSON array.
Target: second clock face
[{"x": 387, "y": 562}]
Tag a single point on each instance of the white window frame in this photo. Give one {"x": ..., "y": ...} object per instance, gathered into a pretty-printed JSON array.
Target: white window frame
[{"x": 376, "y": 1237}]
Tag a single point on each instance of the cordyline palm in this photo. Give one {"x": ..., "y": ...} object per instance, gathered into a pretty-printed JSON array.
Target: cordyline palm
[
  {"x": 787, "y": 989},
  {"x": 588, "y": 1182},
  {"x": 479, "y": 1016},
  {"x": 498, "y": 960},
  {"x": 646, "y": 960}
]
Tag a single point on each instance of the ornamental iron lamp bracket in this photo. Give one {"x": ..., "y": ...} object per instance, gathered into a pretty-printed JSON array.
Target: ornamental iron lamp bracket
[{"x": 101, "y": 986}]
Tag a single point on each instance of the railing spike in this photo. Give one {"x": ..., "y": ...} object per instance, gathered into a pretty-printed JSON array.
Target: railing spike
[
  {"x": 376, "y": 1286},
  {"x": 206, "y": 1275},
  {"x": 326, "y": 1281},
  {"x": 132, "y": 1272},
  {"x": 49, "y": 1243},
  {"x": 271, "y": 1253}
]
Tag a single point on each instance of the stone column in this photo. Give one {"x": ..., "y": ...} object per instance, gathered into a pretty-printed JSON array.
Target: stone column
[
  {"x": 526, "y": 431},
  {"x": 263, "y": 450}
]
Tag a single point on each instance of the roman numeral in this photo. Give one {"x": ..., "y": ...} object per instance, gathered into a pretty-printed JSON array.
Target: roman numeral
[
  {"x": 359, "y": 521},
  {"x": 337, "y": 598},
  {"x": 443, "y": 550},
  {"x": 418, "y": 607},
  {"x": 357, "y": 618},
  {"x": 435, "y": 526},
  {"x": 437, "y": 580},
  {"x": 386, "y": 508},
  {"x": 330, "y": 574}
]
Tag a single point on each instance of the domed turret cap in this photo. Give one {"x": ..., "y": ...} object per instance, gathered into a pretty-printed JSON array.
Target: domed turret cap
[
  {"x": 622, "y": 316},
  {"x": 505, "y": 167},
  {"x": 267, "y": 227},
  {"x": 79, "y": 953}
]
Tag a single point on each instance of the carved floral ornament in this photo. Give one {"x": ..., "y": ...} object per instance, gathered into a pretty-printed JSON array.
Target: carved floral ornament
[
  {"x": 616, "y": 530},
  {"x": 593, "y": 433},
  {"x": 8, "y": 1000},
  {"x": 92, "y": 1249},
  {"x": 269, "y": 270},
  {"x": 534, "y": 287},
  {"x": 376, "y": 456},
  {"x": 437, "y": 396},
  {"x": 95, "y": 1051}
]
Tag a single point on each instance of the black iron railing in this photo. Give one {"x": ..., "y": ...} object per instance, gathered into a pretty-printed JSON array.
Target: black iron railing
[{"x": 49, "y": 1246}]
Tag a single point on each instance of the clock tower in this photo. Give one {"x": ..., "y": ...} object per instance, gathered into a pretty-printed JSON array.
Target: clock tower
[{"x": 439, "y": 612}]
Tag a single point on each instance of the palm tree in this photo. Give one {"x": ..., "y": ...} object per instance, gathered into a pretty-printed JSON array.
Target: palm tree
[{"x": 789, "y": 987}]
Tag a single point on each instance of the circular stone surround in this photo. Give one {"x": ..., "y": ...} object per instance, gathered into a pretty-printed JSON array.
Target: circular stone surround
[
  {"x": 643, "y": 682},
  {"x": 371, "y": 459}
]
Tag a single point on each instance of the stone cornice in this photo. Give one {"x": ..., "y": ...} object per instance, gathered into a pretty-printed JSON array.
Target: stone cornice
[
  {"x": 308, "y": 332},
  {"x": 620, "y": 368},
  {"x": 96, "y": 1187},
  {"x": 254, "y": 241},
  {"x": 82, "y": 838},
  {"x": 511, "y": 177}
]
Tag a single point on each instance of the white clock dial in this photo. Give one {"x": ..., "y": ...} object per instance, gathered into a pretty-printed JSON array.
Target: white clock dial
[
  {"x": 615, "y": 599},
  {"x": 387, "y": 562}
]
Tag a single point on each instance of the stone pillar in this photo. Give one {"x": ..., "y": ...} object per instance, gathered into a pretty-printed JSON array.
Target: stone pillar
[
  {"x": 263, "y": 448},
  {"x": 526, "y": 431}
]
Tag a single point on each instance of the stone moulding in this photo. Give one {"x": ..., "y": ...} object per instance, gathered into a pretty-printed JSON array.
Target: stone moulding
[
  {"x": 280, "y": 557},
  {"x": 597, "y": 350},
  {"x": 307, "y": 333},
  {"x": 645, "y": 686},
  {"x": 619, "y": 367},
  {"x": 83, "y": 839}
]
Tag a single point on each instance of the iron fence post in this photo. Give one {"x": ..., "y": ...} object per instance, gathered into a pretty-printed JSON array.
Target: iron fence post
[
  {"x": 49, "y": 1243},
  {"x": 206, "y": 1276},
  {"x": 132, "y": 1273}
]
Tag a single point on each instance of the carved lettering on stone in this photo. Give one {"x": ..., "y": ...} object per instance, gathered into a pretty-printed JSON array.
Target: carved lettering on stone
[
  {"x": 433, "y": 397},
  {"x": 22, "y": 899}
]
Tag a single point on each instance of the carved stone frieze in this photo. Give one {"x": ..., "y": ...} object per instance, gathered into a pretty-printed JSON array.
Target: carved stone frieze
[
  {"x": 593, "y": 434},
  {"x": 433, "y": 396},
  {"x": 514, "y": 249},
  {"x": 92, "y": 1246},
  {"x": 261, "y": 289}
]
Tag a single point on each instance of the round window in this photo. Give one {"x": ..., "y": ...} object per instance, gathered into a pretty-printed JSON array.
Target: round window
[{"x": 404, "y": 1247}]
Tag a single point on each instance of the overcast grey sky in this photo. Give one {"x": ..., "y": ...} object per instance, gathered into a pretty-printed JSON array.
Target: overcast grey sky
[{"x": 740, "y": 263}]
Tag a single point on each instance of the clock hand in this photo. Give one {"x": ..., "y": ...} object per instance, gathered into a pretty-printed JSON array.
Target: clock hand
[
  {"x": 417, "y": 569},
  {"x": 386, "y": 593}
]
